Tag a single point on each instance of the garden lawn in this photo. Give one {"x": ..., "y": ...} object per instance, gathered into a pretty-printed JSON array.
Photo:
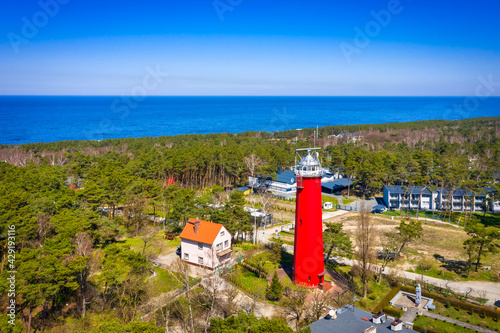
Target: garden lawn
[
  {"x": 347, "y": 201},
  {"x": 466, "y": 317},
  {"x": 440, "y": 326}
]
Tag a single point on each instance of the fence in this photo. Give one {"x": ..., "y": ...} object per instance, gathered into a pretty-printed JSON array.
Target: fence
[
  {"x": 427, "y": 215},
  {"x": 347, "y": 207}
]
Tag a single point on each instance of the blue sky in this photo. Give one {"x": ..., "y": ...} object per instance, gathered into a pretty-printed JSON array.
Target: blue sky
[{"x": 249, "y": 47}]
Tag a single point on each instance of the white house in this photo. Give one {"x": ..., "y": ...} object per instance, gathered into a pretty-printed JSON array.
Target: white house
[{"x": 205, "y": 244}]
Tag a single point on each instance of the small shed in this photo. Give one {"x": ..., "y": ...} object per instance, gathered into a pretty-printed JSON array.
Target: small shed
[{"x": 327, "y": 205}]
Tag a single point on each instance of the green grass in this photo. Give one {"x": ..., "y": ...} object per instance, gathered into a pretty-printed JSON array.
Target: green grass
[
  {"x": 136, "y": 243},
  {"x": 465, "y": 316},
  {"x": 437, "y": 273},
  {"x": 164, "y": 281},
  {"x": 489, "y": 220},
  {"x": 440, "y": 326},
  {"x": 250, "y": 282},
  {"x": 347, "y": 201},
  {"x": 284, "y": 241},
  {"x": 325, "y": 198},
  {"x": 376, "y": 293}
]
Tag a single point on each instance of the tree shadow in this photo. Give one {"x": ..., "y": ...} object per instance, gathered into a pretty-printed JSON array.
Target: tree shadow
[
  {"x": 457, "y": 266},
  {"x": 287, "y": 263}
]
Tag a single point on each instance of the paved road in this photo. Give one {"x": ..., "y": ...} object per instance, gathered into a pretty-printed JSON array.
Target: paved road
[{"x": 269, "y": 232}]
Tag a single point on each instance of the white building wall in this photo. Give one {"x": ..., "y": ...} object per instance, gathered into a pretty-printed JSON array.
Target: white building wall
[{"x": 208, "y": 251}]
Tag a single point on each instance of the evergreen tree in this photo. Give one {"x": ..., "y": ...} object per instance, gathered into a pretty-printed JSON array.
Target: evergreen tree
[{"x": 275, "y": 291}]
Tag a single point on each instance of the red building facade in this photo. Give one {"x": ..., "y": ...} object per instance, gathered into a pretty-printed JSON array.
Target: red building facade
[{"x": 308, "y": 264}]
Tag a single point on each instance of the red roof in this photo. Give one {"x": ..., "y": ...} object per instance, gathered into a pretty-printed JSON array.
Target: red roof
[{"x": 201, "y": 231}]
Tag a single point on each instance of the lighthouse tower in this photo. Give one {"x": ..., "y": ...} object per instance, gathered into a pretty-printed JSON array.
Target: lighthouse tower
[{"x": 308, "y": 264}]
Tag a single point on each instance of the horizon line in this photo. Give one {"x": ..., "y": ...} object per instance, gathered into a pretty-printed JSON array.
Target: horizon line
[{"x": 403, "y": 96}]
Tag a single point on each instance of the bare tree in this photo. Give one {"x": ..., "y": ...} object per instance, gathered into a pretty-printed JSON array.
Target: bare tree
[
  {"x": 148, "y": 237},
  {"x": 294, "y": 308},
  {"x": 228, "y": 303},
  {"x": 182, "y": 277},
  {"x": 213, "y": 287},
  {"x": 252, "y": 162},
  {"x": 365, "y": 235},
  {"x": 318, "y": 304},
  {"x": 389, "y": 243},
  {"x": 267, "y": 202},
  {"x": 467, "y": 292},
  {"x": 84, "y": 251}
]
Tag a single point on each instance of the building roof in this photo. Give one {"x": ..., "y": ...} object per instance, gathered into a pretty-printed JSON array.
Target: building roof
[
  {"x": 350, "y": 321},
  {"x": 336, "y": 184},
  {"x": 203, "y": 232},
  {"x": 398, "y": 189},
  {"x": 457, "y": 192},
  {"x": 243, "y": 188},
  {"x": 287, "y": 177}
]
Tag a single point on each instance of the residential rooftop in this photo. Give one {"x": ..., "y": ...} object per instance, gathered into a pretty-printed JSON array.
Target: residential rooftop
[{"x": 351, "y": 320}]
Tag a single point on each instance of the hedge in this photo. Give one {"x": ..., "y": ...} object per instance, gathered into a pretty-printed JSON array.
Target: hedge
[
  {"x": 480, "y": 310},
  {"x": 393, "y": 312},
  {"x": 385, "y": 302}
]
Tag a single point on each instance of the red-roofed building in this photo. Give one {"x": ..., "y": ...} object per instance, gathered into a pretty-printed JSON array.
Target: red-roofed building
[
  {"x": 205, "y": 244},
  {"x": 169, "y": 181}
]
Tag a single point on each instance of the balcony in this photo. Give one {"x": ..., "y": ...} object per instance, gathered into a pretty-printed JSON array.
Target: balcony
[{"x": 221, "y": 253}]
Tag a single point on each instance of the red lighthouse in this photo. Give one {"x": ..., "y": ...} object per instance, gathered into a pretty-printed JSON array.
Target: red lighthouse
[{"x": 308, "y": 264}]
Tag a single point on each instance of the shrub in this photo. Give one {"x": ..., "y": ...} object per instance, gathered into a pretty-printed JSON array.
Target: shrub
[
  {"x": 428, "y": 265},
  {"x": 355, "y": 271},
  {"x": 447, "y": 305},
  {"x": 393, "y": 312}
]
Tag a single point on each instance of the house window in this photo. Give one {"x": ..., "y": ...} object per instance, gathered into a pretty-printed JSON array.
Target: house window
[
  {"x": 186, "y": 256},
  {"x": 219, "y": 246},
  {"x": 200, "y": 260},
  {"x": 222, "y": 233},
  {"x": 200, "y": 246},
  {"x": 226, "y": 243},
  {"x": 309, "y": 279}
]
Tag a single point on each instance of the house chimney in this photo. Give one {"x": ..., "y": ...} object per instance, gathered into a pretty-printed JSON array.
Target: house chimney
[
  {"x": 279, "y": 170},
  {"x": 196, "y": 226}
]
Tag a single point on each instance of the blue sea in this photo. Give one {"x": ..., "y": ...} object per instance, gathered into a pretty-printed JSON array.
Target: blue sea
[{"x": 25, "y": 119}]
